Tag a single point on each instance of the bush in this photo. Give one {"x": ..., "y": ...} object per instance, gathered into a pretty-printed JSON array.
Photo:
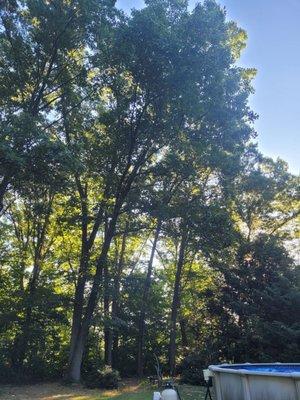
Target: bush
[
  {"x": 106, "y": 378},
  {"x": 29, "y": 373},
  {"x": 192, "y": 369}
]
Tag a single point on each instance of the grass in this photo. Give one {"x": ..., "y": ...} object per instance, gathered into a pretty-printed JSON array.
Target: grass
[{"x": 55, "y": 391}]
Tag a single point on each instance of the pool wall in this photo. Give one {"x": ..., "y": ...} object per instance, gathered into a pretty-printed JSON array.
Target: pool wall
[{"x": 231, "y": 382}]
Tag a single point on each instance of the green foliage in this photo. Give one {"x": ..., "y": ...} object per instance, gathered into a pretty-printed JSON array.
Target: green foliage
[
  {"x": 112, "y": 126},
  {"x": 192, "y": 369},
  {"x": 258, "y": 295},
  {"x": 106, "y": 378}
]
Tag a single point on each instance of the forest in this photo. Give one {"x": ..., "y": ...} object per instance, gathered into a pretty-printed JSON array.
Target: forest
[{"x": 138, "y": 218}]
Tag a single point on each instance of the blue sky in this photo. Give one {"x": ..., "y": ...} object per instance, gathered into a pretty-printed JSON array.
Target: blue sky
[{"x": 273, "y": 28}]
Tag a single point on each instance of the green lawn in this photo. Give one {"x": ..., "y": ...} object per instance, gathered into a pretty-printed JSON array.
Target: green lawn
[
  {"x": 187, "y": 393},
  {"x": 54, "y": 391}
]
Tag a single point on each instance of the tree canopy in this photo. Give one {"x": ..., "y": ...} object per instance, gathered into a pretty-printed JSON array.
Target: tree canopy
[{"x": 138, "y": 218}]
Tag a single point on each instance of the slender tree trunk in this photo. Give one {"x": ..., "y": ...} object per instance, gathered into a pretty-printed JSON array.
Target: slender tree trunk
[
  {"x": 79, "y": 298},
  {"x": 21, "y": 343},
  {"x": 184, "y": 339},
  {"x": 82, "y": 271},
  {"x": 108, "y": 347},
  {"x": 175, "y": 303},
  {"x": 107, "y": 328},
  {"x": 3, "y": 187},
  {"x": 74, "y": 371},
  {"x": 147, "y": 285},
  {"x": 115, "y": 350},
  {"x": 115, "y": 298}
]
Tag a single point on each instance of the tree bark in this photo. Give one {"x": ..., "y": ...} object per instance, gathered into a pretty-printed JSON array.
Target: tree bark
[
  {"x": 21, "y": 343},
  {"x": 147, "y": 285},
  {"x": 115, "y": 350},
  {"x": 3, "y": 187},
  {"x": 111, "y": 351},
  {"x": 107, "y": 328},
  {"x": 184, "y": 339},
  {"x": 82, "y": 271},
  {"x": 176, "y": 302}
]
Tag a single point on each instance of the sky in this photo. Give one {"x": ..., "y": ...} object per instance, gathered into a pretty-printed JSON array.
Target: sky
[{"x": 273, "y": 28}]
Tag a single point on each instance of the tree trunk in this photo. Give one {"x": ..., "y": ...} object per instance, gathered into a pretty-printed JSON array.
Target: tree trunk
[
  {"x": 23, "y": 340},
  {"x": 3, "y": 187},
  {"x": 82, "y": 271},
  {"x": 115, "y": 350},
  {"x": 175, "y": 303},
  {"x": 108, "y": 340},
  {"x": 111, "y": 347},
  {"x": 184, "y": 339},
  {"x": 79, "y": 297},
  {"x": 107, "y": 328},
  {"x": 74, "y": 372},
  {"x": 147, "y": 285}
]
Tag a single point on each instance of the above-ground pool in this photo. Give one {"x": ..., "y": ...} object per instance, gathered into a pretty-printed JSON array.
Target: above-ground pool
[{"x": 256, "y": 381}]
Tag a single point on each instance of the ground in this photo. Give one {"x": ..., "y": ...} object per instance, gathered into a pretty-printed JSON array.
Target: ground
[{"x": 55, "y": 391}]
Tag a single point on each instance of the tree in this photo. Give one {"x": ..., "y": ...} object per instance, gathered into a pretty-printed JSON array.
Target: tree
[
  {"x": 147, "y": 115},
  {"x": 258, "y": 292},
  {"x": 34, "y": 311},
  {"x": 267, "y": 196},
  {"x": 39, "y": 41}
]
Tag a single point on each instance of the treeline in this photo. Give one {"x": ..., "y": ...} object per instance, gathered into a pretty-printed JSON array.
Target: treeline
[{"x": 137, "y": 216}]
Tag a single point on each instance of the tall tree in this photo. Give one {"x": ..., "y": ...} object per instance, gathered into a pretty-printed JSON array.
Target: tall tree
[
  {"x": 148, "y": 114},
  {"x": 39, "y": 41}
]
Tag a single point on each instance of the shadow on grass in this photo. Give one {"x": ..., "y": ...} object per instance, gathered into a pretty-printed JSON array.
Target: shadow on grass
[
  {"x": 54, "y": 391},
  {"x": 135, "y": 395},
  {"x": 187, "y": 393}
]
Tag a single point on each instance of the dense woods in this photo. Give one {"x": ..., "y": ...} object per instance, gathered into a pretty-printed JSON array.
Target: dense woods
[{"x": 138, "y": 218}]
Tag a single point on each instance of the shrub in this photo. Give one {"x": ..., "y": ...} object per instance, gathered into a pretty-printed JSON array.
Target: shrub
[
  {"x": 106, "y": 378},
  {"x": 192, "y": 369}
]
